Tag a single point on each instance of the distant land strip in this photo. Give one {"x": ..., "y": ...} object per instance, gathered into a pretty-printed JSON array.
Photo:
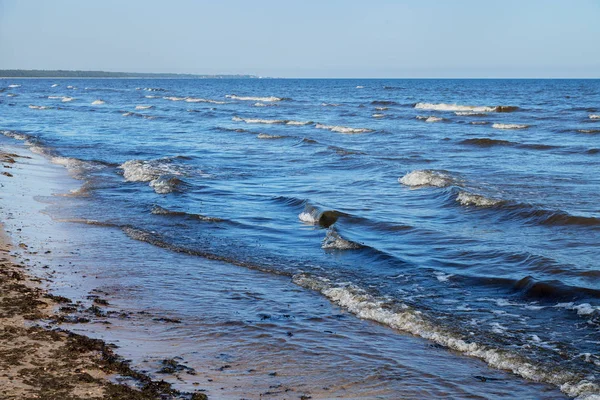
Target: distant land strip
[{"x": 38, "y": 73}]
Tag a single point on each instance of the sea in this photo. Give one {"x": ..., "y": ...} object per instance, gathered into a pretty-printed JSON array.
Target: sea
[{"x": 338, "y": 238}]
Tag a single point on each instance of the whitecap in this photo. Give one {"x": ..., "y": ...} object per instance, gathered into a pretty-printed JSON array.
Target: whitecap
[
  {"x": 40, "y": 107},
  {"x": 174, "y": 98},
  {"x": 470, "y": 199},
  {"x": 299, "y": 123},
  {"x": 14, "y": 86},
  {"x": 343, "y": 129},
  {"x": 594, "y": 116},
  {"x": 55, "y": 85},
  {"x": 333, "y": 241},
  {"x": 259, "y": 121},
  {"x": 406, "y": 319},
  {"x": 143, "y": 107},
  {"x": 430, "y": 118},
  {"x": 360, "y": 87},
  {"x": 308, "y": 217},
  {"x": 381, "y": 108},
  {"x": 252, "y": 98},
  {"x": 378, "y": 115},
  {"x": 421, "y": 178},
  {"x": 469, "y": 113},
  {"x": 98, "y": 102},
  {"x": 509, "y": 126},
  {"x": 267, "y": 136},
  {"x": 200, "y": 100},
  {"x": 458, "y": 107}
]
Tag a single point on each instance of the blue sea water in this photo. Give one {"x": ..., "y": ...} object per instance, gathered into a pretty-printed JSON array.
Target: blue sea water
[{"x": 464, "y": 212}]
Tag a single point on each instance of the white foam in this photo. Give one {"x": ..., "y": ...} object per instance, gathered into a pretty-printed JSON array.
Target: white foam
[
  {"x": 150, "y": 96},
  {"x": 299, "y": 123},
  {"x": 378, "y": 115},
  {"x": 333, "y": 241},
  {"x": 421, "y": 178},
  {"x": 55, "y": 85},
  {"x": 582, "y": 309},
  {"x": 15, "y": 135},
  {"x": 252, "y": 98},
  {"x": 200, "y": 100},
  {"x": 266, "y": 136},
  {"x": 479, "y": 122},
  {"x": 469, "y": 113},
  {"x": 173, "y": 98},
  {"x": 64, "y": 99},
  {"x": 308, "y": 218},
  {"x": 14, "y": 86},
  {"x": 454, "y": 107},
  {"x": 360, "y": 87},
  {"x": 406, "y": 319},
  {"x": 343, "y": 129},
  {"x": 98, "y": 102},
  {"x": 11, "y": 95},
  {"x": 470, "y": 199},
  {"x": 71, "y": 87},
  {"x": 127, "y": 114},
  {"x": 330, "y": 105},
  {"x": 381, "y": 108},
  {"x": 258, "y": 120},
  {"x": 509, "y": 126},
  {"x": 594, "y": 116},
  {"x": 143, "y": 107},
  {"x": 164, "y": 184},
  {"x": 442, "y": 277},
  {"x": 40, "y": 107}
]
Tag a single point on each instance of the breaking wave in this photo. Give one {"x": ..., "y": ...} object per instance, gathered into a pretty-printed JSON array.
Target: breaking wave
[
  {"x": 462, "y": 108},
  {"x": 162, "y": 176},
  {"x": 314, "y": 216},
  {"x": 252, "y": 98},
  {"x": 40, "y": 107},
  {"x": 406, "y": 319},
  {"x": 259, "y": 121},
  {"x": 333, "y": 241},
  {"x": 423, "y": 178},
  {"x": 471, "y": 199},
  {"x": 509, "y": 126},
  {"x": 98, "y": 102},
  {"x": 267, "y": 136},
  {"x": 157, "y": 210},
  {"x": 343, "y": 129},
  {"x": 431, "y": 118},
  {"x": 143, "y": 107},
  {"x": 594, "y": 116}
]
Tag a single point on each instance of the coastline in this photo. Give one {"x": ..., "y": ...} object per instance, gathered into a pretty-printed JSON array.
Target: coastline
[
  {"x": 42, "y": 360},
  {"x": 246, "y": 335}
]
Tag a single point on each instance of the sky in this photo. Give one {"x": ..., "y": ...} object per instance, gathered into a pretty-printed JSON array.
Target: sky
[{"x": 306, "y": 38}]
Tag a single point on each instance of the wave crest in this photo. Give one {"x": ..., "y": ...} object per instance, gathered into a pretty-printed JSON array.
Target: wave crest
[
  {"x": 423, "y": 178},
  {"x": 333, "y": 241},
  {"x": 509, "y": 126},
  {"x": 343, "y": 129},
  {"x": 254, "y": 98},
  {"x": 463, "y": 108}
]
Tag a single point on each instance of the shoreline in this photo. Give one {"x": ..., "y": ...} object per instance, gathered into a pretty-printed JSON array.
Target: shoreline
[{"x": 42, "y": 360}]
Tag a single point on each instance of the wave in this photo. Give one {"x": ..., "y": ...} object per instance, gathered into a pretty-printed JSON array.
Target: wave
[
  {"x": 343, "y": 129},
  {"x": 406, "y": 319},
  {"x": 267, "y": 136},
  {"x": 378, "y": 115},
  {"x": 488, "y": 142},
  {"x": 200, "y": 100},
  {"x": 259, "y": 121},
  {"x": 71, "y": 87},
  {"x": 14, "y": 86},
  {"x": 457, "y": 107},
  {"x": 471, "y": 199},
  {"x": 40, "y": 107},
  {"x": 143, "y": 107},
  {"x": 152, "y": 89},
  {"x": 98, "y": 102},
  {"x": 174, "y": 98},
  {"x": 54, "y": 85},
  {"x": 423, "y": 178},
  {"x": 430, "y": 118},
  {"x": 157, "y": 210},
  {"x": 299, "y": 123},
  {"x": 479, "y": 122},
  {"x": 381, "y": 108},
  {"x": 588, "y": 131},
  {"x": 253, "y": 98},
  {"x": 138, "y": 115},
  {"x": 11, "y": 95},
  {"x": 360, "y": 87},
  {"x": 315, "y": 216},
  {"x": 470, "y": 113},
  {"x": 383, "y": 103},
  {"x": 330, "y": 105},
  {"x": 162, "y": 176},
  {"x": 259, "y": 104},
  {"x": 509, "y": 126},
  {"x": 64, "y": 99},
  {"x": 594, "y": 116},
  {"x": 333, "y": 241}
]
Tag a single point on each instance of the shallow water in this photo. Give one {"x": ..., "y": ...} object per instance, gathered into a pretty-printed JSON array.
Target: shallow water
[{"x": 476, "y": 229}]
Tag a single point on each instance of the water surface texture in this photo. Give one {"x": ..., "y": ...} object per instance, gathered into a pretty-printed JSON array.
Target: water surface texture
[{"x": 464, "y": 212}]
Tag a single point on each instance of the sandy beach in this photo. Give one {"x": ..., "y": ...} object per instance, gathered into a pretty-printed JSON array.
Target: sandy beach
[{"x": 40, "y": 360}]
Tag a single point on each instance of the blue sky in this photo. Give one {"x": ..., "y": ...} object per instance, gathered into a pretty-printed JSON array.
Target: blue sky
[{"x": 308, "y": 38}]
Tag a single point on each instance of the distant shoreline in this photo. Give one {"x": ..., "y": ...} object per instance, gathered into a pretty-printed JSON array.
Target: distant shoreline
[{"x": 58, "y": 74}]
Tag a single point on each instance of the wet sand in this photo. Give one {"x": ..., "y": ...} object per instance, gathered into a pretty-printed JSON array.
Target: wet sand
[{"x": 41, "y": 360}]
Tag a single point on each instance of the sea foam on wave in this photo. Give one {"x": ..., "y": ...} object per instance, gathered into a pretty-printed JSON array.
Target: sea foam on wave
[
  {"x": 509, "y": 126},
  {"x": 421, "y": 178},
  {"x": 343, "y": 129},
  {"x": 470, "y": 199},
  {"x": 406, "y": 319},
  {"x": 253, "y": 98},
  {"x": 463, "y": 108},
  {"x": 160, "y": 174}
]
